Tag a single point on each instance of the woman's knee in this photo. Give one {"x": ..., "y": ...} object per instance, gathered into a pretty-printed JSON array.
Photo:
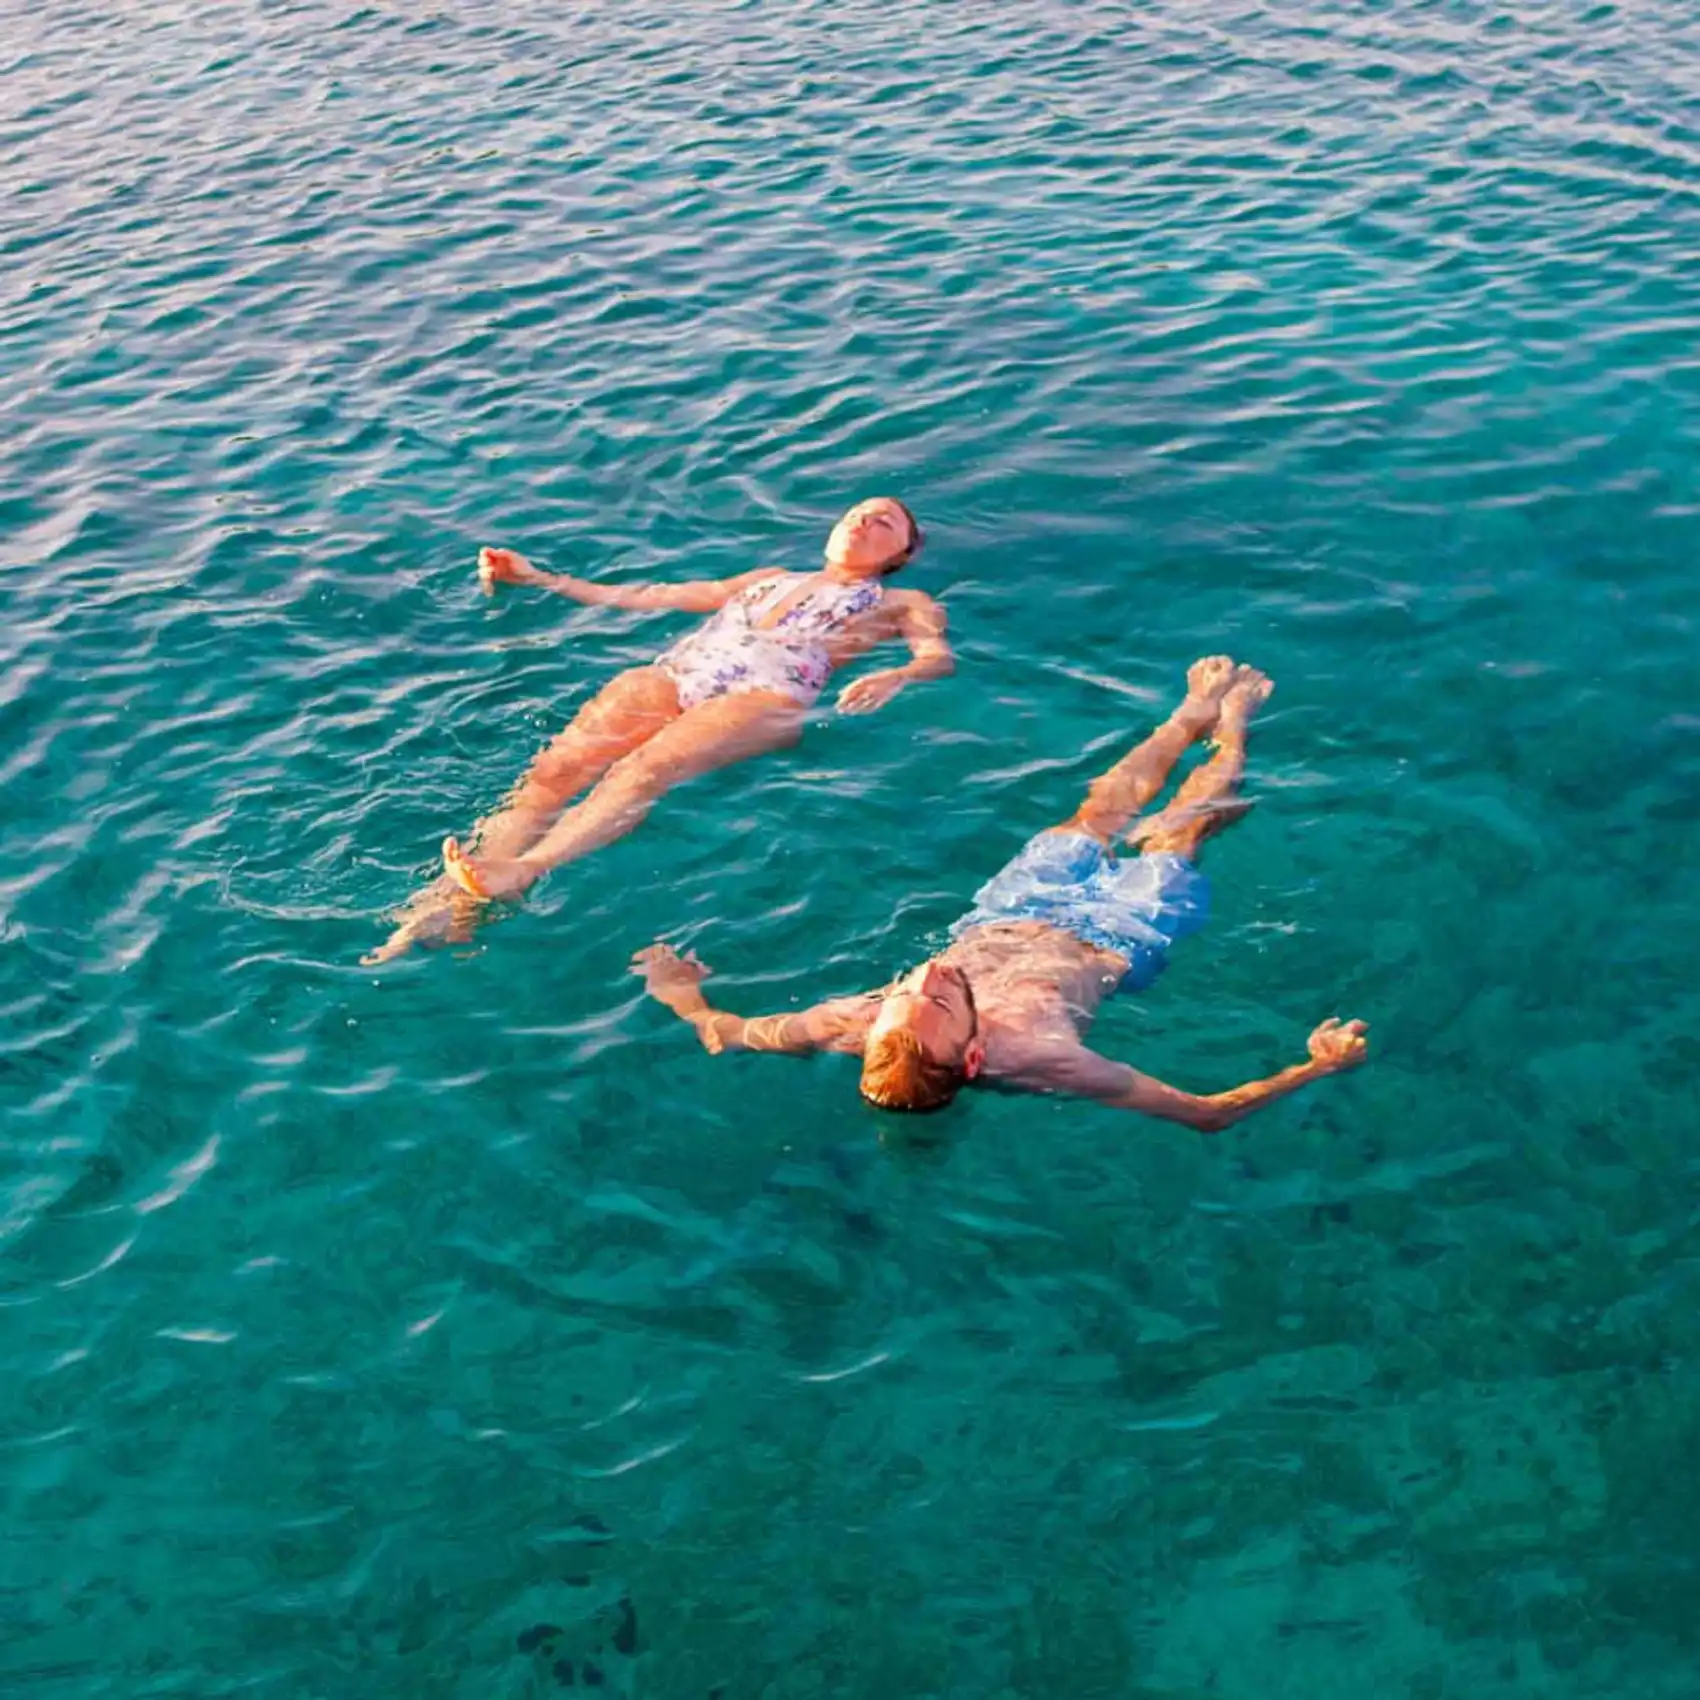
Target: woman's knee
[
  {"x": 635, "y": 779},
  {"x": 545, "y": 788},
  {"x": 569, "y": 763}
]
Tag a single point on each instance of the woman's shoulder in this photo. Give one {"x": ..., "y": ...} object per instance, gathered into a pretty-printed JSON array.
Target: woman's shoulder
[
  {"x": 756, "y": 578},
  {"x": 909, "y": 596},
  {"x": 917, "y": 604}
]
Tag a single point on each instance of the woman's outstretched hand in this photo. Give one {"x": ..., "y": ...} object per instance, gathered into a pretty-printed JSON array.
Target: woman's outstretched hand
[{"x": 863, "y": 696}]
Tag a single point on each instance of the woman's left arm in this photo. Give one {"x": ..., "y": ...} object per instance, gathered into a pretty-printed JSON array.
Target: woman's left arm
[{"x": 921, "y": 623}]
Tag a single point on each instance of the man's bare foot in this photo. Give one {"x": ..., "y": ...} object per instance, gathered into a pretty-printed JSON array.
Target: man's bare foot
[
  {"x": 487, "y": 877},
  {"x": 1250, "y": 690},
  {"x": 504, "y": 566},
  {"x": 1207, "y": 681}
]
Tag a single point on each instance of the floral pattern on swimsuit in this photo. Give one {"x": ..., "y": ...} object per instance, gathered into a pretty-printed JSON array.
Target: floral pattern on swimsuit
[{"x": 729, "y": 654}]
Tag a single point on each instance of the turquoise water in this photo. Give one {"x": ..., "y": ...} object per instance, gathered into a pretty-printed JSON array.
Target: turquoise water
[{"x": 357, "y": 1324}]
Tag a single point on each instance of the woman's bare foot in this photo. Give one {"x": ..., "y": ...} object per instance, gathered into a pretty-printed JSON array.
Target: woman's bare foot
[
  {"x": 504, "y": 566},
  {"x": 440, "y": 914},
  {"x": 487, "y": 877}
]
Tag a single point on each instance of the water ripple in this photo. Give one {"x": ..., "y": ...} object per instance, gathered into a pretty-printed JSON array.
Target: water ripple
[{"x": 376, "y": 1321}]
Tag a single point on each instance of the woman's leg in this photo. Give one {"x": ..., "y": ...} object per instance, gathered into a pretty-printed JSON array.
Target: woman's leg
[
  {"x": 623, "y": 715},
  {"x": 713, "y": 734}
]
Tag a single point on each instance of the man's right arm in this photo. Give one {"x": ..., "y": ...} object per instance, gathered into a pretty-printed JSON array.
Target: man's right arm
[
  {"x": 676, "y": 982},
  {"x": 696, "y": 596}
]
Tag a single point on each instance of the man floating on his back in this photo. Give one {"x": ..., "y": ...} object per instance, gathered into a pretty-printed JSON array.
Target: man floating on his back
[{"x": 1066, "y": 924}]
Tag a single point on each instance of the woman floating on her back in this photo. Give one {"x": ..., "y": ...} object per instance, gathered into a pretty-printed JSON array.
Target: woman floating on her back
[{"x": 738, "y": 686}]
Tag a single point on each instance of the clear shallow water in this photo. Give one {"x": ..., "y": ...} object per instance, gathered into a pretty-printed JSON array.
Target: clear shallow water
[{"x": 354, "y": 1324}]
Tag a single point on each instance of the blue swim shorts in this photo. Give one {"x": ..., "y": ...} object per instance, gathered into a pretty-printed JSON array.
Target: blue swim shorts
[{"x": 1136, "y": 906}]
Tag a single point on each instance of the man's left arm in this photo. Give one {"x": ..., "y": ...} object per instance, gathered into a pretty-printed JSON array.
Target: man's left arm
[
  {"x": 922, "y": 624},
  {"x": 1335, "y": 1047},
  {"x": 676, "y": 982}
]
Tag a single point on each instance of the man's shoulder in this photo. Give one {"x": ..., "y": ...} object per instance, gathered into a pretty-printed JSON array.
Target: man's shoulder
[
  {"x": 1057, "y": 1066},
  {"x": 842, "y": 1024},
  {"x": 1029, "y": 1060}
]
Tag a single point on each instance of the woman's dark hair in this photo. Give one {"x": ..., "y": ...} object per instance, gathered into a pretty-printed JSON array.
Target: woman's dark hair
[{"x": 917, "y": 539}]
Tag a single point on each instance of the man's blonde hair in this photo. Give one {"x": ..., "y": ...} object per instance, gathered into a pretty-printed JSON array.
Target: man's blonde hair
[{"x": 897, "y": 1074}]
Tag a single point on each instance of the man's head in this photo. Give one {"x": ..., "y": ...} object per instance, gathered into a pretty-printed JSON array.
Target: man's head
[
  {"x": 876, "y": 537},
  {"x": 924, "y": 1044}
]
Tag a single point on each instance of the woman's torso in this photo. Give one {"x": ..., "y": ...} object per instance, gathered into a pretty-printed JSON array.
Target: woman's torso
[{"x": 785, "y": 633}]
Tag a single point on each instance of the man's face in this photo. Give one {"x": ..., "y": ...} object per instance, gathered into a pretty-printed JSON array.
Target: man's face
[{"x": 934, "y": 1003}]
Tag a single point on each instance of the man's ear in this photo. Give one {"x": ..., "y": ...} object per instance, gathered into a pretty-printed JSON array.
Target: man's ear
[{"x": 974, "y": 1058}]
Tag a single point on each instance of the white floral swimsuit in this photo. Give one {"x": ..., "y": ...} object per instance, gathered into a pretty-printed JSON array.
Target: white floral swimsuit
[{"x": 729, "y": 654}]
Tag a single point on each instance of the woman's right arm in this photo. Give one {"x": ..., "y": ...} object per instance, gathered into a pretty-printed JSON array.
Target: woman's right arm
[{"x": 699, "y": 596}]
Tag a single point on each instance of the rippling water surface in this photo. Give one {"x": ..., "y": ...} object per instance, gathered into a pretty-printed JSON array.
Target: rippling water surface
[{"x": 355, "y": 1325}]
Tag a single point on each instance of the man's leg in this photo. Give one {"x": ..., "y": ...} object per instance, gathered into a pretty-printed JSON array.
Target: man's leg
[
  {"x": 1210, "y": 799},
  {"x": 1115, "y": 797}
]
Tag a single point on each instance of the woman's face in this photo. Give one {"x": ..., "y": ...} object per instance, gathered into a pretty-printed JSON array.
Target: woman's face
[{"x": 870, "y": 537}]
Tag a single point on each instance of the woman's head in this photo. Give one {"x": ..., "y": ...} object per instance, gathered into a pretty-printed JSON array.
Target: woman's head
[{"x": 876, "y": 537}]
